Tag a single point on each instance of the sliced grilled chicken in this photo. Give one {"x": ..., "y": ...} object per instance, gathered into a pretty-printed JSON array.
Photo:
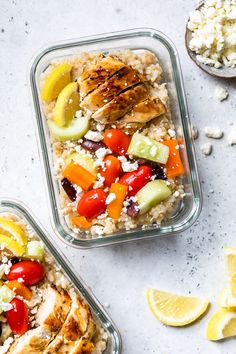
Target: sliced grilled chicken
[
  {"x": 98, "y": 74},
  {"x": 50, "y": 317},
  {"x": 129, "y": 128},
  {"x": 79, "y": 324},
  {"x": 122, "y": 80},
  {"x": 53, "y": 311},
  {"x": 145, "y": 111},
  {"x": 32, "y": 342},
  {"x": 121, "y": 104}
]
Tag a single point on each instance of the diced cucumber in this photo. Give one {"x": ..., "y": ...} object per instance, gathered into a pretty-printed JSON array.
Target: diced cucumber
[
  {"x": 6, "y": 294},
  {"x": 34, "y": 250},
  {"x": 151, "y": 194},
  {"x": 83, "y": 160},
  {"x": 74, "y": 131},
  {"x": 147, "y": 148}
]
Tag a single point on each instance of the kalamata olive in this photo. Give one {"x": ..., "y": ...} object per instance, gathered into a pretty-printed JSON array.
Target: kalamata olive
[
  {"x": 69, "y": 189},
  {"x": 92, "y": 145},
  {"x": 15, "y": 260},
  {"x": 158, "y": 171},
  {"x": 133, "y": 210}
]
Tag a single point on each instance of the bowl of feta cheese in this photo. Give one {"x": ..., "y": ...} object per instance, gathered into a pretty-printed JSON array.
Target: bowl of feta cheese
[{"x": 211, "y": 37}]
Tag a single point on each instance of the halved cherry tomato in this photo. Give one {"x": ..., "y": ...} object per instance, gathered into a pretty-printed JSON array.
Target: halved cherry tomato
[
  {"x": 17, "y": 317},
  {"x": 137, "y": 179},
  {"x": 19, "y": 289},
  {"x": 30, "y": 271},
  {"x": 117, "y": 141},
  {"x": 92, "y": 203},
  {"x": 111, "y": 169}
]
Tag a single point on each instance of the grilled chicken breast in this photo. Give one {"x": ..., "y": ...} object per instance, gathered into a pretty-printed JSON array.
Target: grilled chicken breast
[
  {"x": 78, "y": 326},
  {"x": 53, "y": 311},
  {"x": 122, "y": 80},
  {"x": 50, "y": 317},
  {"x": 98, "y": 74},
  {"x": 121, "y": 104}
]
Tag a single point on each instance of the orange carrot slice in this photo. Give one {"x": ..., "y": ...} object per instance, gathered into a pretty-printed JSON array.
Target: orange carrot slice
[
  {"x": 174, "y": 166},
  {"x": 81, "y": 222},
  {"x": 20, "y": 289},
  {"x": 115, "y": 207},
  {"x": 79, "y": 175}
]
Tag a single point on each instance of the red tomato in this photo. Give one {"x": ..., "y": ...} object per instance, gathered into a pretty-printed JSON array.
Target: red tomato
[
  {"x": 92, "y": 203},
  {"x": 17, "y": 317},
  {"x": 137, "y": 179},
  {"x": 30, "y": 271},
  {"x": 117, "y": 141},
  {"x": 111, "y": 169}
]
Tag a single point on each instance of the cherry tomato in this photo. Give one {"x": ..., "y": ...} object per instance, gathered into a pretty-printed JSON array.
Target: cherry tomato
[
  {"x": 30, "y": 271},
  {"x": 111, "y": 169},
  {"x": 17, "y": 317},
  {"x": 117, "y": 141},
  {"x": 92, "y": 203},
  {"x": 137, "y": 179}
]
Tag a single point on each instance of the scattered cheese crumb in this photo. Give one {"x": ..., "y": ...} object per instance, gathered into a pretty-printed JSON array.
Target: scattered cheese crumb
[
  {"x": 171, "y": 132},
  {"x": 110, "y": 198},
  {"x": 206, "y": 149},
  {"x": 221, "y": 93},
  {"x": 195, "y": 132},
  {"x": 94, "y": 136},
  {"x": 232, "y": 136},
  {"x": 213, "y": 132}
]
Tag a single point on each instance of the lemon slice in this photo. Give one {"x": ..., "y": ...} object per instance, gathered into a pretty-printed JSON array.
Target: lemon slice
[
  {"x": 221, "y": 325},
  {"x": 175, "y": 310},
  {"x": 230, "y": 259},
  {"x": 9, "y": 228},
  {"x": 68, "y": 102},
  {"x": 56, "y": 81},
  {"x": 13, "y": 246}
]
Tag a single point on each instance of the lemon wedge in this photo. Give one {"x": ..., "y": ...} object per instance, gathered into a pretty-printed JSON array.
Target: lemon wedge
[
  {"x": 68, "y": 102},
  {"x": 56, "y": 81},
  {"x": 175, "y": 310},
  {"x": 13, "y": 246},
  {"x": 230, "y": 259},
  {"x": 10, "y": 228},
  {"x": 221, "y": 325}
]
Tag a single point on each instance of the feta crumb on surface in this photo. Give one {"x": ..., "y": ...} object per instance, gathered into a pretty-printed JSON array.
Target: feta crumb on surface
[
  {"x": 102, "y": 152},
  {"x": 195, "y": 132},
  {"x": 206, "y": 149},
  {"x": 221, "y": 93},
  {"x": 94, "y": 136},
  {"x": 213, "y": 132},
  {"x": 5, "y": 306},
  {"x": 99, "y": 182},
  {"x": 232, "y": 136},
  {"x": 110, "y": 198}
]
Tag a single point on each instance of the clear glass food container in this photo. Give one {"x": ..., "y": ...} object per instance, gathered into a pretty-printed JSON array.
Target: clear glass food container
[
  {"x": 137, "y": 39},
  {"x": 114, "y": 339}
]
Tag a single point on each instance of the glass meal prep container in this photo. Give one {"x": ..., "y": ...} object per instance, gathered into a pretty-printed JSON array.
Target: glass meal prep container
[
  {"x": 9, "y": 207},
  {"x": 136, "y": 40}
]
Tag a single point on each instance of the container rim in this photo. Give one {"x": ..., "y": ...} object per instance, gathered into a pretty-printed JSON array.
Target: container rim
[
  {"x": 67, "y": 267},
  {"x": 178, "y": 79}
]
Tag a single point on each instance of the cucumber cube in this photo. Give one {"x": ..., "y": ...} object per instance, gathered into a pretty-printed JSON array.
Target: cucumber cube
[
  {"x": 34, "y": 250},
  {"x": 147, "y": 148},
  {"x": 6, "y": 295},
  {"x": 152, "y": 194}
]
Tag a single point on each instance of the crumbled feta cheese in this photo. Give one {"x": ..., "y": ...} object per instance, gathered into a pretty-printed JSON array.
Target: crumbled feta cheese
[
  {"x": 128, "y": 166},
  {"x": 5, "y": 306},
  {"x": 94, "y": 136},
  {"x": 213, "y": 132},
  {"x": 110, "y": 198},
  {"x": 176, "y": 194},
  {"x": 99, "y": 182},
  {"x": 171, "y": 132},
  {"x": 213, "y": 29},
  {"x": 206, "y": 149},
  {"x": 195, "y": 132},
  {"x": 102, "y": 152},
  {"x": 100, "y": 127},
  {"x": 153, "y": 151},
  {"x": 232, "y": 136},
  {"x": 6, "y": 345},
  {"x": 221, "y": 93},
  {"x": 97, "y": 230}
]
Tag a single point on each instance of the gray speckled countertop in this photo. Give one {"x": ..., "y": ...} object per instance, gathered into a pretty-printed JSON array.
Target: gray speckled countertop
[{"x": 191, "y": 262}]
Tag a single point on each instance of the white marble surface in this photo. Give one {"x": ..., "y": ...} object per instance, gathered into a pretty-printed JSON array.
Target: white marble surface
[{"x": 191, "y": 262}]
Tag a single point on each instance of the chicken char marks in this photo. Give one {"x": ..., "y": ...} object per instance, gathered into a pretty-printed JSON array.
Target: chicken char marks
[{"x": 116, "y": 93}]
